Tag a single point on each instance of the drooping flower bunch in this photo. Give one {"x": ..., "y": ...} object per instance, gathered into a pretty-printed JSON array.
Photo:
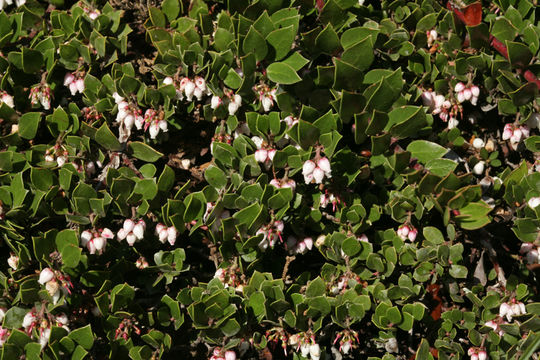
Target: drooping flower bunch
[
  {"x": 468, "y": 92},
  {"x": 439, "y": 105},
  {"x": 75, "y": 82},
  {"x": 306, "y": 344},
  {"x": 41, "y": 94},
  {"x": 188, "y": 88},
  {"x": 496, "y": 325},
  {"x": 230, "y": 277},
  {"x": 131, "y": 231},
  {"x": 348, "y": 340},
  {"x": 477, "y": 353},
  {"x": 57, "y": 153},
  {"x": 165, "y": 233},
  {"x": 515, "y": 134},
  {"x": 271, "y": 233},
  {"x": 128, "y": 114},
  {"x": 511, "y": 309},
  {"x": 96, "y": 240},
  {"x": 266, "y": 96},
  {"x": 296, "y": 246},
  {"x": 222, "y": 354},
  {"x": 91, "y": 12},
  {"x": 264, "y": 153},
  {"x": 531, "y": 253},
  {"x": 316, "y": 171},
  {"x": 283, "y": 183},
  {"x": 152, "y": 120},
  {"x": 407, "y": 231},
  {"x": 55, "y": 283}
]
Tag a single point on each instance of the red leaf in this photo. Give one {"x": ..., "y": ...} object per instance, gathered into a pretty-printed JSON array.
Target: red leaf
[
  {"x": 473, "y": 14},
  {"x": 319, "y": 4}
]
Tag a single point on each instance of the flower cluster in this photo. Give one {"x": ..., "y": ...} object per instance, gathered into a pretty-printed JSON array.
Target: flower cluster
[
  {"x": 299, "y": 246},
  {"x": 230, "y": 277},
  {"x": 266, "y": 96},
  {"x": 515, "y": 133},
  {"x": 316, "y": 171},
  {"x": 328, "y": 198},
  {"x": 92, "y": 13},
  {"x": 188, "y": 88},
  {"x": 58, "y": 154},
  {"x": 235, "y": 101},
  {"x": 306, "y": 344},
  {"x": 531, "y": 253},
  {"x": 343, "y": 281},
  {"x": 221, "y": 354},
  {"x": 407, "y": 232},
  {"x": 165, "y": 233},
  {"x": 131, "y": 231},
  {"x": 283, "y": 183},
  {"x": 128, "y": 115},
  {"x": 438, "y": 105},
  {"x": 41, "y": 94},
  {"x": 32, "y": 320},
  {"x": 477, "y": 353},
  {"x": 55, "y": 283},
  {"x": 495, "y": 325},
  {"x": 347, "y": 340},
  {"x": 512, "y": 308},
  {"x": 96, "y": 240},
  {"x": 152, "y": 120},
  {"x": 467, "y": 93},
  {"x": 74, "y": 82},
  {"x": 5, "y": 98},
  {"x": 271, "y": 233}
]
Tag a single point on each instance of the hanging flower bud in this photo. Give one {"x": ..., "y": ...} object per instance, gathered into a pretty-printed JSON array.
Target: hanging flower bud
[{"x": 45, "y": 276}]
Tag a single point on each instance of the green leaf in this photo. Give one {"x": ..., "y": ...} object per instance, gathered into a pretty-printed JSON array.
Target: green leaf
[
  {"x": 171, "y": 9},
  {"x": 281, "y": 40},
  {"x": 83, "y": 336},
  {"x": 441, "y": 167},
  {"x": 254, "y": 43},
  {"x": 519, "y": 54},
  {"x": 144, "y": 152},
  {"x": 32, "y": 60},
  {"x": 316, "y": 287},
  {"x": 425, "y": 151},
  {"x": 423, "y": 352},
  {"x": 107, "y": 139},
  {"x": 296, "y": 61},
  {"x": 327, "y": 41},
  {"x": 405, "y": 121},
  {"x": 282, "y": 73},
  {"x": 28, "y": 125},
  {"x": 215, "y": 177},
  {"x": 360, "y": 54}
]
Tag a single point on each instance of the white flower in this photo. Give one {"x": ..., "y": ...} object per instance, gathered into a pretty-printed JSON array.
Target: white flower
[
  {"x": 28, "y": 320},
  {"x": 271, "y": 154},
  {"x": 45, "y": 276},
  {"x": 189, "y": 89},
  {"x": 308, "y": 167},
  {"x": 258, "y": 141},
  {"x": 138, "y": 230},
  {"x": 198, "y": 93},
  {"x": 13, "y": 262},
  {"x": 508, "y": 131},
  {"x": 233, "y": 108},
  {"x": 69, "y": 78},
  {"x": 459, "y": 87},
  {"x": 304, "y": 348},
  {"x": 475, "y": 90},
  {"x": 534, "y": 202},
  {"x": 73, "y": 88},
  {"x": 467, "y": 94},
  {"x": 324, "y": 164},
  {"x": 86, "y": 236},
  {"x": 121, "y": 234},
  {"x": 453, "y": 122},
  {"x": 128, "y": 225},
  {"x": 412, "y": 234},
  {"x": 267, "y": 103},
  {"x": 230, "y": 355},
  {"x": 261, "y": 155},
  {"x": 200, "y": 83},
  {"x": 482, "y": 355},
  {"x": 237, "y": 99},
  {"x": 168, "y": 81},
  {"x": 44, "y": 337},
  {"x": 478, "y": 169},
  {"x": 478, "y": 143},
  {"x": 163, "y": 125},
  {"x": 154, "y": 130},
  {"x": 315, "y": 351},
  {"x": 99, "y": 243},
  {"x": 215, "y": 102},
  {"x": 117, "y": 97},
  {"x": 131, "y": 238},
  {"x": 80, "y": 84},
  {"x": 318, "y": 175},
  {"x": 172, "y": 233},
  {"x": 391, "y": 345},
  {"x": 107, "y": 233}
]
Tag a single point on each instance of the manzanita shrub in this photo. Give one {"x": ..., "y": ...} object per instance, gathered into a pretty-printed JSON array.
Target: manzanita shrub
[{"x": 301, "y": 179}]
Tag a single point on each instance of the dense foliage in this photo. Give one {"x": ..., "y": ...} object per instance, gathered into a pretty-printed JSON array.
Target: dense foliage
[{"x": 269, "y": 179}]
